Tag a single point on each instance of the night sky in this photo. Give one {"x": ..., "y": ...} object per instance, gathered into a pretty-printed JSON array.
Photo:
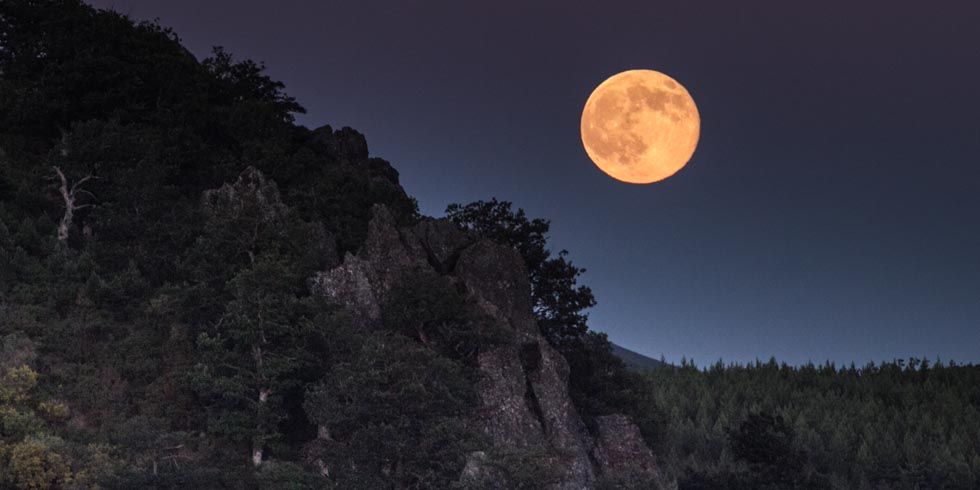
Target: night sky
[{"x": 831, "y": 211}]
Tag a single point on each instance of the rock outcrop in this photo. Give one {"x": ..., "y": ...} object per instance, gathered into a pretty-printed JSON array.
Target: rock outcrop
[
  {"x": 524, "y": 394},
  {"x": 619, "y": 445}
]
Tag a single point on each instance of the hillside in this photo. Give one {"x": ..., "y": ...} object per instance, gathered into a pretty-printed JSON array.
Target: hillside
[
  {"x": 635, "y": 361},
  {"x": 196, "y": 291}
]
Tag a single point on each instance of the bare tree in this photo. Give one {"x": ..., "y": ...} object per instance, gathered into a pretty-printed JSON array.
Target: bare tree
[{"x": 70, "y": 195}]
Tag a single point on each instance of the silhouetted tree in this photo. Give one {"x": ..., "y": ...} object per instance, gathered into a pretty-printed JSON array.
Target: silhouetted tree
[
  {"x": 599, "y": 380},
  {"x": 560, "y": 303},
  {"x": 768, "y": 445}
]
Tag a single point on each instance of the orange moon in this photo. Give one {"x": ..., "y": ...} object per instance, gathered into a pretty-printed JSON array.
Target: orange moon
[{"x": 640, "y": 126}]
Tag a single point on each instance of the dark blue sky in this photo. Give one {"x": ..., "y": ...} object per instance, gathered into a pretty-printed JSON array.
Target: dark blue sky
[{"x": 831, "y": 211}]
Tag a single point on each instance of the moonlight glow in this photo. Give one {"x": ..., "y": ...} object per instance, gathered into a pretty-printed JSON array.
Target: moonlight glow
[{"x": 640, "y": 126}]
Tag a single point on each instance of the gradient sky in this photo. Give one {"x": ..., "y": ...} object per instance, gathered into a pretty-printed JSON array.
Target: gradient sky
[{"x": 831, "y": 211}]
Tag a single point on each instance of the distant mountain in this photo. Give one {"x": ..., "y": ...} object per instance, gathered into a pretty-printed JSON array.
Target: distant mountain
[{"x": 636, "y": 361}]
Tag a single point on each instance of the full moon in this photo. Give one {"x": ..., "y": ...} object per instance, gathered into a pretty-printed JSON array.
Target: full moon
[{"x": 640, "y": 126}]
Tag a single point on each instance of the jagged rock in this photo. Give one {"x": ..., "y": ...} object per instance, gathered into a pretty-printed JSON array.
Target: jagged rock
[
  {"x": 506, "y": 415},
  {"x": 351, "y": 144},
  {"x": 548, "y": 379},
  {"x": 441, "y": 242},
  {"x": 387, "y": 252},
  {"x": 251, "y": 193},
  {"x": 344, "y": 144},
  {"x": 523, "y": 389},
  {"x": 361, "y": 283},
  {"x": 348, "y": 286},
  {"x": 619, "y": 445},
  {"x": 497, "y": 275},
  {"x": 383, "y": 173}
]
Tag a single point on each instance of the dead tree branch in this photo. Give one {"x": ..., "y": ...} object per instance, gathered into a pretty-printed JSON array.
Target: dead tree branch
[{"x": 70, "y": 195}]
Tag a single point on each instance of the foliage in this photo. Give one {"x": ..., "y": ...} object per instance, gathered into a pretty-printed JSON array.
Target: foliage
[
  {"x": 394, "y": 411},
  {"x": 181, "y": 287},
  {"x": 31, "y": 456},
  {"x": 559, "y": 301},
  {"x": 629, "y": 478},
  {"x": 600, "y": 383},
  {"x": 429, "y": 308},
  {"x": 903, "y": 424},
  {"x": 520, "y": 468},
  {"x": 34, "y": 464}
]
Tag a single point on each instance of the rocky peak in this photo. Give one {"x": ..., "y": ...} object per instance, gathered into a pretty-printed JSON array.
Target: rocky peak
[
  {"x": 523, "y": 391},
  {"x": 251, "y": 192},
  {"x": 344, "y": 144}
]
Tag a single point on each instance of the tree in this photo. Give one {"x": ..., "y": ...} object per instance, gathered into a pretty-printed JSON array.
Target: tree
[
  {"x": 600, "y": 383},
  {"x": 250, "y": 358},
  {"x": 31, "y": 457},
  {"x": 393, "y": 414},
  {"x": 167, "y": 299},
  {"x": 767, "y": 443},
  {"x": 253, "y": 355},
  {"x": 559, "y": 301},
  {"x": 246, "y": 81},
  {"x": 70, "y": 194},
  {"x": 427, "y": 307}
]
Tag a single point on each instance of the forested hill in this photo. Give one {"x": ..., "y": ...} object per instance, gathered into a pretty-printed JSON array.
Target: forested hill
[{"x": 197, "y": 292}]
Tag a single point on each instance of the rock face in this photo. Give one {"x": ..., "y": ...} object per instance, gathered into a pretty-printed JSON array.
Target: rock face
[
  {"x": 619, "y": 445},
  {"x": 524, "y": 385},
  {"x": 348, "y": 284},
  {"x": 343, "y": 144}
]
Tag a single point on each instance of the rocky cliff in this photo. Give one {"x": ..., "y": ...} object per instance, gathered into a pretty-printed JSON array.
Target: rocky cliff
[{"x": 523, "y": 390}]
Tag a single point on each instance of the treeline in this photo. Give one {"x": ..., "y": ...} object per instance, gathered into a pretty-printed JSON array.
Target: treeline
[{"x": 899, "y": 425}]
